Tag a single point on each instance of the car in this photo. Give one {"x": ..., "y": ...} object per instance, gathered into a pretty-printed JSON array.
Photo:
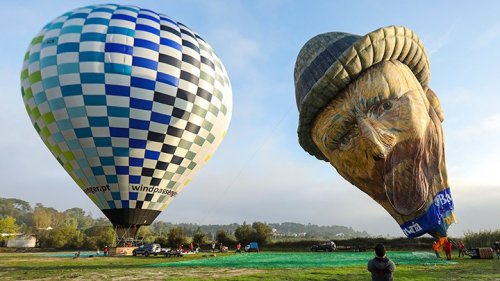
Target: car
[
  {"x": 173, "y": 253},
  {"x": 252, "y": 247},
  {"x": 147, "y": 249},
  {"x": 327, "y": 246}
]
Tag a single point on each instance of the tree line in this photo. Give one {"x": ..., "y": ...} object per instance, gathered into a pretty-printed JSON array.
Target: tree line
[{"x": 74, "y": 229}]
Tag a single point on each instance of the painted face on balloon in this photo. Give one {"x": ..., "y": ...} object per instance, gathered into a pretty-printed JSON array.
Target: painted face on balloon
[{"x": 384, "y": 136}]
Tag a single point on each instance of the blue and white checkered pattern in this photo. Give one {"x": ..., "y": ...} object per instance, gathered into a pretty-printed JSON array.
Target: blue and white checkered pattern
[{"x": 129, "y": 101}]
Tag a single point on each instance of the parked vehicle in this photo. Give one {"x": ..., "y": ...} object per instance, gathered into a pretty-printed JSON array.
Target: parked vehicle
[
  {"x": 328, "y": 246},
  {"x": 252, "y": 247},
  {"x": 173, "y": 253},
  {"x": 147, "y": 249}
]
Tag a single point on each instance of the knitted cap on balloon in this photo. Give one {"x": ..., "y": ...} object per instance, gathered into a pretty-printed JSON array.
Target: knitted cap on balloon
[{"x": 329, "y": 62}]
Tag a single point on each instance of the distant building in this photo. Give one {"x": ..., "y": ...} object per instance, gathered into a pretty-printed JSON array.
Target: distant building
[{"x": 21, "y": 241}]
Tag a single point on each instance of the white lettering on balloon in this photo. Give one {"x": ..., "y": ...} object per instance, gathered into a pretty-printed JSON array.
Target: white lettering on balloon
[
  {"x": 442, "y": 199},
  {"x": 414, "y": 228}
]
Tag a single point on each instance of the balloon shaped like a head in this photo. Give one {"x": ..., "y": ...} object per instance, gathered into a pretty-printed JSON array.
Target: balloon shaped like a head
[
  {"x": 130, "y": 102},
  {"x": 366, "y": 108}
]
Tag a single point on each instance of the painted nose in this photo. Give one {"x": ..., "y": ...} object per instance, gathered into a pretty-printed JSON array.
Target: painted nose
[{"x": 379, "y": 143}]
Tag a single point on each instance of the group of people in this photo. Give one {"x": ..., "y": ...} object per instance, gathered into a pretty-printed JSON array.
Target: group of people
[
  {"x": 105, "y": 252},
  {"x": 447, "y": 245},
  {"x": 221, "y": 247},
  {"x": 382, "y": 268},
  {"x": 192, "y": 248}
]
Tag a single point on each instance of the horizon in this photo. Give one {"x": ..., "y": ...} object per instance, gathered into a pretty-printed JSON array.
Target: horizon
[{"x": 260, "y": 172}]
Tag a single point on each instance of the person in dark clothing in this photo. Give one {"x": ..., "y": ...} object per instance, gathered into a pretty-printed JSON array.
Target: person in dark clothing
[
  {"x": 496, "y": 248},
  {"x": 381, "y": 266}
]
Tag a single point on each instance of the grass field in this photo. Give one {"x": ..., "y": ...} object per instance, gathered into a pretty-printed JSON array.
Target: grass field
[{"x": 417, "y": 266}]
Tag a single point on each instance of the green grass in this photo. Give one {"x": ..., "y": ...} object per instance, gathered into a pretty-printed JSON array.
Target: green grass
[{"x": 21, "y": 266}]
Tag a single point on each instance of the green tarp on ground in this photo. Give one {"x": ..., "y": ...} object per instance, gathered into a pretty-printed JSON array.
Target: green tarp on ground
[
  {"x": 72, "y": 254},
  {"x": 305, "y": 260}
]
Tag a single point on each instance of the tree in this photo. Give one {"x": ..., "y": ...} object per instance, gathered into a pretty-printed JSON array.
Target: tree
[
  {"x": 145, "y": 233},
  {"x": 44, "y": 217},
  {"x": 18, "y": 209},
  {"x": 160, "y": 228},
  {"x": 199, "y": 237},
  {"x": 99, "y": 236},
  {"x": 65, "y": 236},
  {"x": 224, "y": 238},
  {"x": 8, "y": 226},
  {"x": 161, "y": 240},
  {"x": 78, "y": 217},
  {"x": 263, "y": 233},
  {"x": 176, "y": 237},
  {"x": 244, "y": 233}
]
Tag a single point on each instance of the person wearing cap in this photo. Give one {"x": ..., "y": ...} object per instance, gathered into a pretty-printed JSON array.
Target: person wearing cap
[
  {"x": 381, "y": 267},
  {"x": 365, "y": 107}
]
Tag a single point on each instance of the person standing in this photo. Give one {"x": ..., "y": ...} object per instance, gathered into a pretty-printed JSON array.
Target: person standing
[
  {"x": 105, "y": 251},
  {"x": 381, "y": 267},
  {"x": 435, "y": 246},
  {"x": 447, "y": 249},
  {"x": 213, "y": 247},
  {"x": 191, "y": 247},
  {"x": 496, "y": 248},
  {"x": 461, "y": 249},
  {"x": 238, "y": 248}
]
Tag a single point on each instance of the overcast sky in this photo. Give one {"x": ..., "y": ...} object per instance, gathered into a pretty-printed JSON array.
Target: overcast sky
[{"x": 259, "y": 171}]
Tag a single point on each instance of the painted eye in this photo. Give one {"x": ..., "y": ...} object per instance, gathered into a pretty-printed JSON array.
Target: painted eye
[
  {"x": 345, "y": 141},
  {"x": 387, "y": 105}
]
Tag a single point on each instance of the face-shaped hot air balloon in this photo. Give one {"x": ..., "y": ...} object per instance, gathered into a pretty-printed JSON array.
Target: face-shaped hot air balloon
[
  {"x": 365, "y": 107},
  {"x": 130, "y": 102}
]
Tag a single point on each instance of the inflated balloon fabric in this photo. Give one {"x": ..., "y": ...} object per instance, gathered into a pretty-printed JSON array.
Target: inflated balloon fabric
[
  {"x": 131, "y": 102},
  {"x": 365, "y": 106}
]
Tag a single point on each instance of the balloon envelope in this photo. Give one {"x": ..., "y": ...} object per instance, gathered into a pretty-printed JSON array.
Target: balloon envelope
[{"x": 130, "y": 102}]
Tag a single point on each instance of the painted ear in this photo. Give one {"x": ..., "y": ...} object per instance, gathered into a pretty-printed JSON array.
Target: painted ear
[{"x": 434, "y": 101}]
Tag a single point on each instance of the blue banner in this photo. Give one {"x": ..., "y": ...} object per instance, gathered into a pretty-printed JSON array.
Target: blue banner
[{"x": 435, "y": 220}]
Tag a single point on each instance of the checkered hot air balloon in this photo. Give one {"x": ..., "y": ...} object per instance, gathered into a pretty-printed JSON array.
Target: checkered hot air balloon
[{"x": 130, "y": 102}]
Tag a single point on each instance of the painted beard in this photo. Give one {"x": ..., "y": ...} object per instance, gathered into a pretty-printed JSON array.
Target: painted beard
[{"x": 409, "y": 169}]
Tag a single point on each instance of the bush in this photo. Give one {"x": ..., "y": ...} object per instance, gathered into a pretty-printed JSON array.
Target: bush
[
  {"x": 368, "y": 243},
  {"x": 199, "y": 237},
  {"x": 224, "y": 238},
  {"x": 99, "y": 236},
  {"x": 176, "y": 237},
  {"x": 161, "y": 240},
  {"x": 259, "y": 232},
  {"x": 484, "y": 238},
  {"x": 244, "y": 234},
  {"x": 263, "y": 233}
]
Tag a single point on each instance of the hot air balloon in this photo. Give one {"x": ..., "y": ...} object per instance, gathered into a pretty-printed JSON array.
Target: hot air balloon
[
  {"x": 130, "y": 102},
  {"x": 366, "y": 108}
]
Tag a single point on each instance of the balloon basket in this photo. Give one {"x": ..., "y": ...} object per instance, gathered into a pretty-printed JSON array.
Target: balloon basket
[{"x": 125, "y": 236}]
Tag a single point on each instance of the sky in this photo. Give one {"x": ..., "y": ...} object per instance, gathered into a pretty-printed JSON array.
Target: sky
[{"x": 259, "y": 172}]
